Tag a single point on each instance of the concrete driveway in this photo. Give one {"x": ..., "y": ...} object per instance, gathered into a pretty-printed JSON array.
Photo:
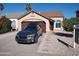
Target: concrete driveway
[
  {"x": 48, "y": 45},
  {"x": 8, "y": 46},
  {"x": 59, "y": 45}
]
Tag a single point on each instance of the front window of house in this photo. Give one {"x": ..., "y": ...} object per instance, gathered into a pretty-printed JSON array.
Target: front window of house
[{"x": 58, "y": 24}]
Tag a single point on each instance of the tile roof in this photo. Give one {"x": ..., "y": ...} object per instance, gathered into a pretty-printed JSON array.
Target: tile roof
[
  {"x": 46, "y": 14},
  {"x": 52, "y": 14},
  {"x": 14, "y": 15}
]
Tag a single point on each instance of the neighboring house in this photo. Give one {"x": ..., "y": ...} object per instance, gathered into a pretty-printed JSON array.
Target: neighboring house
[
  {"x": 48, "y": 21},
  {"x": 77, "y": 13},
  {"x": 14, "y": 18}
]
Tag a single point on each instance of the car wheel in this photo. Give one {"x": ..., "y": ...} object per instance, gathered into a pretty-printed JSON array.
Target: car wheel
[
  {"x": 16, "y": 38},
  {"x": 36, "y": 39},
  {"x": 41, "y": 34}
]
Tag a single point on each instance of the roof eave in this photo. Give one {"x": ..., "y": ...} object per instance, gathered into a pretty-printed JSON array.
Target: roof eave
[{"x": 34, "y": 12}]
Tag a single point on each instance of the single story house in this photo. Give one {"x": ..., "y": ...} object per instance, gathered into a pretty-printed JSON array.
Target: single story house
[{"x": 48, "y": 21}]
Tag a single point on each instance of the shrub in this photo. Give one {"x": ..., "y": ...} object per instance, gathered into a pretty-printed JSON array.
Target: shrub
[
  {"x": 68, "y": 23},
  {"x": 5, "y": 25}
]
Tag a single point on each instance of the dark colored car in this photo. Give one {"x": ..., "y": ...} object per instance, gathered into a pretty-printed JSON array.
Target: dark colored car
[{"x": 30, "y": 34}]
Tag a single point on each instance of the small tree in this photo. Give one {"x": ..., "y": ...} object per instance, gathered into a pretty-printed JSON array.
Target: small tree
[
  {"x": 28, "y": 7},
  {"x": 5, "y": 24},
  {"x": 1, "y": 8},
  {"x": 1, "y": 21},
  {"x": 68, "y": 23}
]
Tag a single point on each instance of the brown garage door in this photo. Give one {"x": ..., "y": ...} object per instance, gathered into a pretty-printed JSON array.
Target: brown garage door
[{"x": 41, "y": 24}]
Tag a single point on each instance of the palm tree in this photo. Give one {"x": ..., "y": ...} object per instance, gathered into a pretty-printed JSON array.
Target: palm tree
[
  {"x": 28, "y": 7},
  {"x": 1, "y": 8}
]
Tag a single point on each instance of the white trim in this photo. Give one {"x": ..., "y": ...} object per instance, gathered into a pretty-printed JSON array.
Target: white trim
[
  {"x": 55, "y": 20},
  {"x": 33, "y": 20}
]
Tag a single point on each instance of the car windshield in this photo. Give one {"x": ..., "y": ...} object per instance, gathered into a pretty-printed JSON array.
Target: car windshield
[{"x": 31, "y": 27}]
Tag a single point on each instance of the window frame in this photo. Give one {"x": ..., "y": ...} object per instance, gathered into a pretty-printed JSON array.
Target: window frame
[{"x": 58, "y": 24}]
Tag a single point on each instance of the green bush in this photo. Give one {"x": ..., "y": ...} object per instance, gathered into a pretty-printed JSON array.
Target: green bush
[
  {"x": 68, "y": 23},
  {"x": 5, "y": 25}
]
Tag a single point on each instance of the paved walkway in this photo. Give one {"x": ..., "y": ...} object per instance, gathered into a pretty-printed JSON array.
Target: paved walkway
[{"x": 53, "y": 44}]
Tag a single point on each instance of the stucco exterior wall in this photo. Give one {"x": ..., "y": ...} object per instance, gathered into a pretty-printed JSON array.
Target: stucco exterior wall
[
  {"x": 34, "y": 17},
  {"x": 55, "y": 19},
  {"x": 16, "y": 24}
]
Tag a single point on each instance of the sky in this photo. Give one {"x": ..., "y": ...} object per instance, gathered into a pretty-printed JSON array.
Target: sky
[{"x": 68, "y": 9}]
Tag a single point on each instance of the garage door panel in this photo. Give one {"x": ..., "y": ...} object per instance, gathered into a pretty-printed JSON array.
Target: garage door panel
[
  {"x": 41, "y": 24},
  {"x": 24, "y": 25}
]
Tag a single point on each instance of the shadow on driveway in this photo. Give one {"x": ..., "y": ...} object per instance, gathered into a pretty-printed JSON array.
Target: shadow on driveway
[
  {"x": 64, "y": 34},
  {"x": 66, "y": 44}
]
